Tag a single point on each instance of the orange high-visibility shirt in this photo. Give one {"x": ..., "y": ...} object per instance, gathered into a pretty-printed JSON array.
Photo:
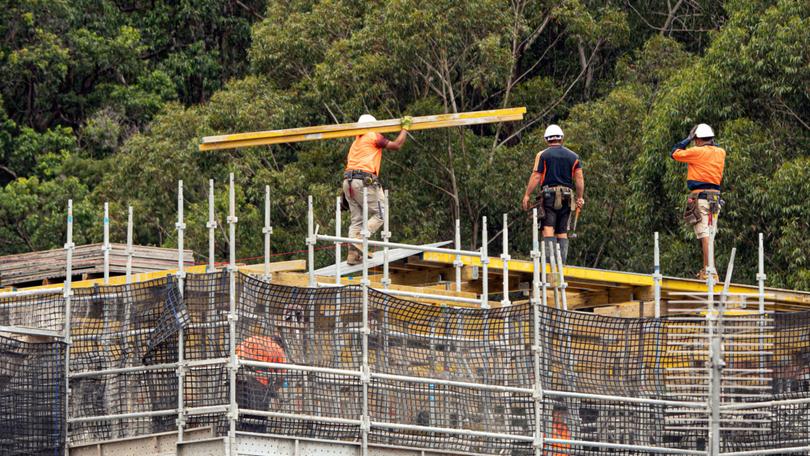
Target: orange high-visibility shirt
[
  {"x": 559, "y": 430},
  {"x": 706, "y": 164},
  {"x": 265, "y": 349},
  {"x": 366, "y": 153}
]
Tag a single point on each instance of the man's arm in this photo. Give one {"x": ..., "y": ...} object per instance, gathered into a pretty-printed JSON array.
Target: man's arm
[
  {"x": 579, "y": 183},
  {"x": 679, "y": 149},
  {"x": 534, "y": 181},
  {"x": 397, "y": 143}
]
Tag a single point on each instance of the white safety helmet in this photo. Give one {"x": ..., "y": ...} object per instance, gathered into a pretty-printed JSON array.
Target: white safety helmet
[
  {"x": 704, "y": 131},
  {"x": 553, "y": 132},
  {"x": 366, "y": 118}
]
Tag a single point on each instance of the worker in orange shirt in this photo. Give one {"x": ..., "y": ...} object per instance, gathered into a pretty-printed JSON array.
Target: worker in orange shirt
[
  {"x": 560, "y": 431},
  {"x": 363, "y": 171},
  {"x": 256, "y": 386},
  {"x": 705, "y": 164}
]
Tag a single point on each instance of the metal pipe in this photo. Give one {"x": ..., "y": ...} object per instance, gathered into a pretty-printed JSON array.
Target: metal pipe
[
  {"x": 457, "y": 263},
  {"x": 212, "y": 227},
  {"x": 365, "y": 376},
  {"x": 622, "y": 446},
  {"x": 181, "y": 341},
  {"x": 657, "y": 277},
  {"x": 233, "y": 409},
  {"x": 505, "y": 261},
  {"x": 338, "y": 254},
  {"x": 31, "y": 331},
  {"x": 536, "y": 343},
  {"x": 484, "y": 265},
  {"x": 386, "y": 237},
  {"x": 105, "y": 247},
  {"x": 68, "y": 293},
  {"x": 25, "y": 293},
  {"x": 438, "y": 381},
  {"x": 465, "y": 432},
  {"x": 299, "y": 367},
  {"x": 304, "y": 417},
  {"x": 397, "y": 245},
  {"x": 130, "y": 251},
  {"x": 563, "y": 285},
  {"x": 761, "y": 292},
  {"x": 311, "y": 240},
  {"x": 267, "y": 231},
  {"x": 121, "y": 416},
  {"x": 779, "y": 451}
]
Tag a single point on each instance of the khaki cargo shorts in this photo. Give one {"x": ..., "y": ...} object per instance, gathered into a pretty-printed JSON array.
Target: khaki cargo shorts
[{"x": 702, "y": 228}]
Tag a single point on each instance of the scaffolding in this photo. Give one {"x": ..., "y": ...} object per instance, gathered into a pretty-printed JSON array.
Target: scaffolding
[{"x": 369, "y": 369}]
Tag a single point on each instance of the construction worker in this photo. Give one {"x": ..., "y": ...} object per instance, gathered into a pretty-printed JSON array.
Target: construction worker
[
  {"x": 705, "y": 163},
  {"x": 559, "y": 173},
  {"x": 363, "y": 171},
  {"x": 256, "y": 386},
  {"x": 560, "y": 431}
]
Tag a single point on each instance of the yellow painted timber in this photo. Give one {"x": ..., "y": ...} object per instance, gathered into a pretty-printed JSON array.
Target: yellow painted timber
[
  {"x": 122, "y": 280},
  {"x": 279, "y": 266},
  {"x": 322, "y": 132},
  {"x": 668, "y": 284}
]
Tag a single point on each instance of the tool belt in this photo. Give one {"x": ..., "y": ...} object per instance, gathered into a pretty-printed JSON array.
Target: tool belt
[
  {"x": 368, "y": 179},
  {"x": 559, "y": 193},
  {"x": 691, "y": 214}
]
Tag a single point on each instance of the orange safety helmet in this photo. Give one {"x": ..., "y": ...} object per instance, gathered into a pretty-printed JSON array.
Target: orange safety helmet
[{"x": 266, "y": 349}]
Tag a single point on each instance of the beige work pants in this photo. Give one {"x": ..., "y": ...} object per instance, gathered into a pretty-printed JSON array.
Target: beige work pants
[{"x": 376, "y": 201}]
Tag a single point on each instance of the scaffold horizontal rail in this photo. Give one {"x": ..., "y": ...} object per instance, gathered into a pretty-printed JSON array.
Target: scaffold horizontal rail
[{"x": 347, "y": 130}]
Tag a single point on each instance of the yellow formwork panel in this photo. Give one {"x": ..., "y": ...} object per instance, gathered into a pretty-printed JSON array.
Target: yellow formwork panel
[{"x": 322, "y": 132}]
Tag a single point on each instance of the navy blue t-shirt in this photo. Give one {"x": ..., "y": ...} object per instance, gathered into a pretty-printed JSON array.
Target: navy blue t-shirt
[{"x": 557, "y": 165}]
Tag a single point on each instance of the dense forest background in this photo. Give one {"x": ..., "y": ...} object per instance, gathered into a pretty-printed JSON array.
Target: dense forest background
[{"x": 105, "y": 100}]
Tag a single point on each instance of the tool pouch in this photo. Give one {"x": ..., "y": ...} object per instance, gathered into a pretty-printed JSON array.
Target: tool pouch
[
  {"x": 691, "y": 214},
  {"x": 715, "y": 203},
  {"x": 344, "y": 203},
  {"x": 558, "y": 199}
]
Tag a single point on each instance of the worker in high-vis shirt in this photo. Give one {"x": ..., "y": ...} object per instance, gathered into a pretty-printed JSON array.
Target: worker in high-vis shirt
[
  {"x": 362, "y": 172},
  {"x": 558, "y": 171},
  {"x": 256, "y": 386},
  {"x": 705, "y": 164}
]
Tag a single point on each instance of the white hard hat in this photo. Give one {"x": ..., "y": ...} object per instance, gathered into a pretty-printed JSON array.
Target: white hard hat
[
  {"x": 553, "y": 131},
  {"x": 366, "y": 118},
  {"x": 704, "y": 131}
]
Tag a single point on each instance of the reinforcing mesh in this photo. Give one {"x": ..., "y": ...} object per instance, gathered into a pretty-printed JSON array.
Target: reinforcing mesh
[{"x": 444, "y": 378}]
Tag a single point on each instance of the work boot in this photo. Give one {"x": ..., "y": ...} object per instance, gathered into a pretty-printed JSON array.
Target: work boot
[
  {"x": 701, "y": 275},
  {"x": 354, "y": 256}
]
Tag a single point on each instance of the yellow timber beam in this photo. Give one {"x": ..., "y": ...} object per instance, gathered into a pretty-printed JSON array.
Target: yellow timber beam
[
  {"x": 668, "y": 284},
  {"x": 321, "y": 132}
]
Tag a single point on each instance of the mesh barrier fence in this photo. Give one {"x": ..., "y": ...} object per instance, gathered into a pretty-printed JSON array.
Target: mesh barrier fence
[
  {"x": 457, "y": 379},
  {"x": 32, "y": 394},
  {"x": 122, "y": 360}
]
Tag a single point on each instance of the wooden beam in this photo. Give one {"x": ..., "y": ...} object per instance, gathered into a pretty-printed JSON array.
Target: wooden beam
[
  {"x": 278, "y": 266},
  {"x": 321, "y": 132}
]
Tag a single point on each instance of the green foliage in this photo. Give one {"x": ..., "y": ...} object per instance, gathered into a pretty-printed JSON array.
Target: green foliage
[{"x": 103, "y": 104}]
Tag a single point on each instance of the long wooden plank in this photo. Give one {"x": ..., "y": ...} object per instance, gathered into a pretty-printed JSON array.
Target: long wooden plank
[{"x": 322, "y": 132}]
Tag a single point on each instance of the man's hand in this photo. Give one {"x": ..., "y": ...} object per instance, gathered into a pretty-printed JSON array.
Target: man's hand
[
  {"x": 406, "y": 123},
  {"x": 525, "y": 202},
  {"x": 691, "y": 136},
  {"x": 580, "y": 203}
]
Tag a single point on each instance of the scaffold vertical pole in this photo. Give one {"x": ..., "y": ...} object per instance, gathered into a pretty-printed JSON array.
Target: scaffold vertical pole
[
  {"x": 233, "y": 413},
  {"x": 267, "y": 231},
  {"x": 105, "y": 247},
  {"x": 338, "y": 253},
  {"x": 657, "y": 278},
  {"x": 310, "y": 243},
  {"x": 365, "y": 375},
  {"x": 67, "y": 291},
  {"x": 386, "y": 236},
  {"x": 536, "y": 345},
  {"x": 761, "y": 295},
  {"x": 181, "y": 336},
  {"x": 505, "y": 261},
  {"x": 130, "y": 250},
  {"x": 457, "y": 263},
  {"x": 714, "y": 341},
  {"x": 555, "y": 283},
  {"x": 212, "y": 227},
  {"x": 484, "y": 265}
]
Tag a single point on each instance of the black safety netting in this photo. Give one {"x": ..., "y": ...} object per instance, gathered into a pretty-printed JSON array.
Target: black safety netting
[
  {"x": 133, "y": 328},
  {"x": 441, "y": 377},
  {"x": 36, "y": 311},
  {"x": 32, "y": 397}
]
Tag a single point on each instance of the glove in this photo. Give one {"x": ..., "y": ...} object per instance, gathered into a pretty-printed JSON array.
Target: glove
[
  {"x": 406, "y": 122},
  {"x": 691, "y": 136}
]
